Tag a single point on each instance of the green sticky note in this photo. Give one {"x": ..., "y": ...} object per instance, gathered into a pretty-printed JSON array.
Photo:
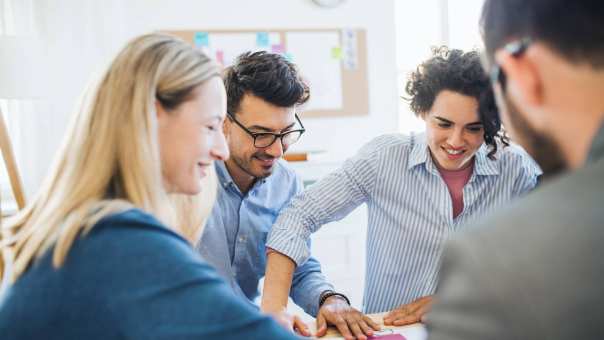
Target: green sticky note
[{"x": 336, "y": 52}]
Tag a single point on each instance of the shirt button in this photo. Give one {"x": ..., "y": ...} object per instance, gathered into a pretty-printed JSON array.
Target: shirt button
[{"x": 242, "y": 239}]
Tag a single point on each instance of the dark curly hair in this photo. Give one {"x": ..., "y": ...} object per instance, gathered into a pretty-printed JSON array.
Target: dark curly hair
[
  {"x": 268, "y": 76},
  {"x": 461, "y": 72}
]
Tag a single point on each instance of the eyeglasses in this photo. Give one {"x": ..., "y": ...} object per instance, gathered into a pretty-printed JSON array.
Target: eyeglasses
[
  {"x": 516, "y": 49},
  {"x": 266, "y": 139}
]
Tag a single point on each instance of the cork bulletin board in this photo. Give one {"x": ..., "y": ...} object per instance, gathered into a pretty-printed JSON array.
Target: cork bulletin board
[{"x": 332, "y": 61}]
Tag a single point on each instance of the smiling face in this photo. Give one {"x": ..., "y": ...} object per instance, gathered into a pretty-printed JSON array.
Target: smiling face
[
  {"x": 453, "y": 130},
  {"x": 258, "y": 116},
  {"x": 191, "y": 138}
]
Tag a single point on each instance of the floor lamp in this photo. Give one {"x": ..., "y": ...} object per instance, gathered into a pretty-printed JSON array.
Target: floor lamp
[{"x": 19, "y": 79}]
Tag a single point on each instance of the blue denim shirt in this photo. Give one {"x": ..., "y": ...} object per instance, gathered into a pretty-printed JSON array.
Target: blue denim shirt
[{"x": 234, "y": 237}]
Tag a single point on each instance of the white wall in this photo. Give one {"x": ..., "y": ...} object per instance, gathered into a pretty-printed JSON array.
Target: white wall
[
  {"x": 422, "y": 25},
  {"x": 81, "y": 36},
  {"x": 419, "y": 25}
]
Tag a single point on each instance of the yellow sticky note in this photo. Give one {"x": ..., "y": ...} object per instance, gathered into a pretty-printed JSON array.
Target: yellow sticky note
[{"x": 336, "y": 52}]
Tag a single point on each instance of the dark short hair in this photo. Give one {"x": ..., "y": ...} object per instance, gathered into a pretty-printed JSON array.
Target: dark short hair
[
  {"x": 461, "y": 72},
  {"x": 572, "y": 28},
  {"x": 268, "y": 76}
]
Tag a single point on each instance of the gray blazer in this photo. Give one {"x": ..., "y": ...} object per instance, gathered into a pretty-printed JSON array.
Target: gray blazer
[{"x": 534, "y": 270}]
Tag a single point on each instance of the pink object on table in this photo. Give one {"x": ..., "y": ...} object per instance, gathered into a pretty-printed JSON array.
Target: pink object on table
[{"x": 387, "y": 337}]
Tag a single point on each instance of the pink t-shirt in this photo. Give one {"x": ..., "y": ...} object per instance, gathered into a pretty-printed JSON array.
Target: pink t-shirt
[{"x": 456, "y": 180}]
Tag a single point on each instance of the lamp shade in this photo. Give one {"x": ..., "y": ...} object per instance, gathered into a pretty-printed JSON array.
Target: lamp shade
[{"x": 22, "y": 70}]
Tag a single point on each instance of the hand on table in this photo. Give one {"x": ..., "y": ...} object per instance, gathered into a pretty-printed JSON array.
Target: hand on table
[
  {"x": 409, "y": 313},
  {"x": 350, "y": 322},
  {"x": 291, "y": 322}
]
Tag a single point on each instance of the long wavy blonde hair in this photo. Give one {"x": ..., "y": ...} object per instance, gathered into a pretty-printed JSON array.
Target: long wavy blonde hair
[{"x": 110, "y": 159}]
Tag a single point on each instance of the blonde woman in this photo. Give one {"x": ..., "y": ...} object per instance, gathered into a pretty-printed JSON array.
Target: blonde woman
[{"x": 93, "y": 255}]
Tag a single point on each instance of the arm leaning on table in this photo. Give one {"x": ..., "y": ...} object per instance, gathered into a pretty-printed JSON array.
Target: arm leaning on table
[
  {"x": 328, "y": 200},
  {"x": 307, "y": 285},
  {"x": 308, "y": 281}
]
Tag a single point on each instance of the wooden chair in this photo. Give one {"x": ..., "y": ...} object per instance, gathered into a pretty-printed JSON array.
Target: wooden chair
[
  {"x": 11, "y": 165},
  {"x": 17, "y": 189}
]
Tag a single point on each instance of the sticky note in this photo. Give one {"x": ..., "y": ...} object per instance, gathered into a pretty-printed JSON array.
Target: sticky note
[
  {"x": 201, "y": 39},
  {"x": 220, "y": 56},
  {"x": 278, "y": 48},
  {"x": 288, "y": 56},
  {"x": 274, "y": 38},
  {"x": 262, "y": 39},
  {"x": 336, "y": 53}
]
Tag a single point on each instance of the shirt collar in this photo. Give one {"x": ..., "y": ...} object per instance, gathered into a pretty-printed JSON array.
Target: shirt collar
[
  {"x": 484, "y": 166},
  {"x": 420, "y": 154},
  {"x": 223, "y": 174},
  {"x": 419, "y": 150},
  {"x": 596, "y": 151}
]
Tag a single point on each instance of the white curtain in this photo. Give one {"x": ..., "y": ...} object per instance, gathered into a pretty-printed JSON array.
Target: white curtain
[{"x": 78, "y": 37}]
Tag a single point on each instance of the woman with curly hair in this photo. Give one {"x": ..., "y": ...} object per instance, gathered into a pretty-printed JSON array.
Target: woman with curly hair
[
  {"x": 419, "y": 189},
  {"x": 449, "y": 74}
]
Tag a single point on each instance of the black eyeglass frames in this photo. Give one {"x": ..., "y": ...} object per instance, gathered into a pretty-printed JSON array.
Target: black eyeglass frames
[{"x": 266, "y": 139}]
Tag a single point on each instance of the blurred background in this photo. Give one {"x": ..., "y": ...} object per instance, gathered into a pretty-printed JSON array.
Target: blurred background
[{"x": 75, "y": 39}]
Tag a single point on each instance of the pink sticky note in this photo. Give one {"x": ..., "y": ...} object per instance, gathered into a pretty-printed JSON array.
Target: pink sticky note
[
  {"x": 387, "y": 337},
  {"x": 278, "y": 48},
  {"x": 220, "y": 56}
]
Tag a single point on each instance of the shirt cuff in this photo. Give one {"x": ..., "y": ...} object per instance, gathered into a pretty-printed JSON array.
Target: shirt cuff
[
  {"x": 290, "y": 244},
  {"x": 312, "y": 305}
]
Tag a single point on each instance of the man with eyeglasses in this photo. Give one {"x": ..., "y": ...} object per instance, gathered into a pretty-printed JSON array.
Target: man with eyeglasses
[
  {"x": 263, "y": 92},
  {"x": 536, "y": 270}
]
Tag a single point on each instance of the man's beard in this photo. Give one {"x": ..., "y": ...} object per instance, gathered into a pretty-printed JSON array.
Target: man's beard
[
  {"x": 544, "y": 150},
  {"x": 245, "y": 164}
]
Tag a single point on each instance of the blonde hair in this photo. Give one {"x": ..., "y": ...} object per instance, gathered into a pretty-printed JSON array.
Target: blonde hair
[
  {"x": 193, "y": 211},
  {"x": 110, "y": 159}
]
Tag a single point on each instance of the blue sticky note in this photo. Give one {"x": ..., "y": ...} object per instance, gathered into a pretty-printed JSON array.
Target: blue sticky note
[
  {"x": 201, "y": 39},
  {"x": 262, "y": 39},
  {"x": 289, "y": 57}
]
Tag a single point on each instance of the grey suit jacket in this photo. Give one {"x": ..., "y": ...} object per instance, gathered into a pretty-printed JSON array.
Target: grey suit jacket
[{"x": 532, "y": 271}]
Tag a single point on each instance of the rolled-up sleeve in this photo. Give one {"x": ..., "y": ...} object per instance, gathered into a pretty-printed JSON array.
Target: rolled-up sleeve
[
  {"x": 308, "y": 282},
  {"x": 328, "y": 200}
]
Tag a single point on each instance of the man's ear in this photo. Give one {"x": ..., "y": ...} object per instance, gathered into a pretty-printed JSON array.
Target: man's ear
[
  {"x": 524, "y": 82},
  {"x": 226, "y": 125}
]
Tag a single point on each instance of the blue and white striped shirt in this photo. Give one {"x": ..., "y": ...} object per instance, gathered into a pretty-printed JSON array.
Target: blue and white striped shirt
[{"x": 410, "y": 213}]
